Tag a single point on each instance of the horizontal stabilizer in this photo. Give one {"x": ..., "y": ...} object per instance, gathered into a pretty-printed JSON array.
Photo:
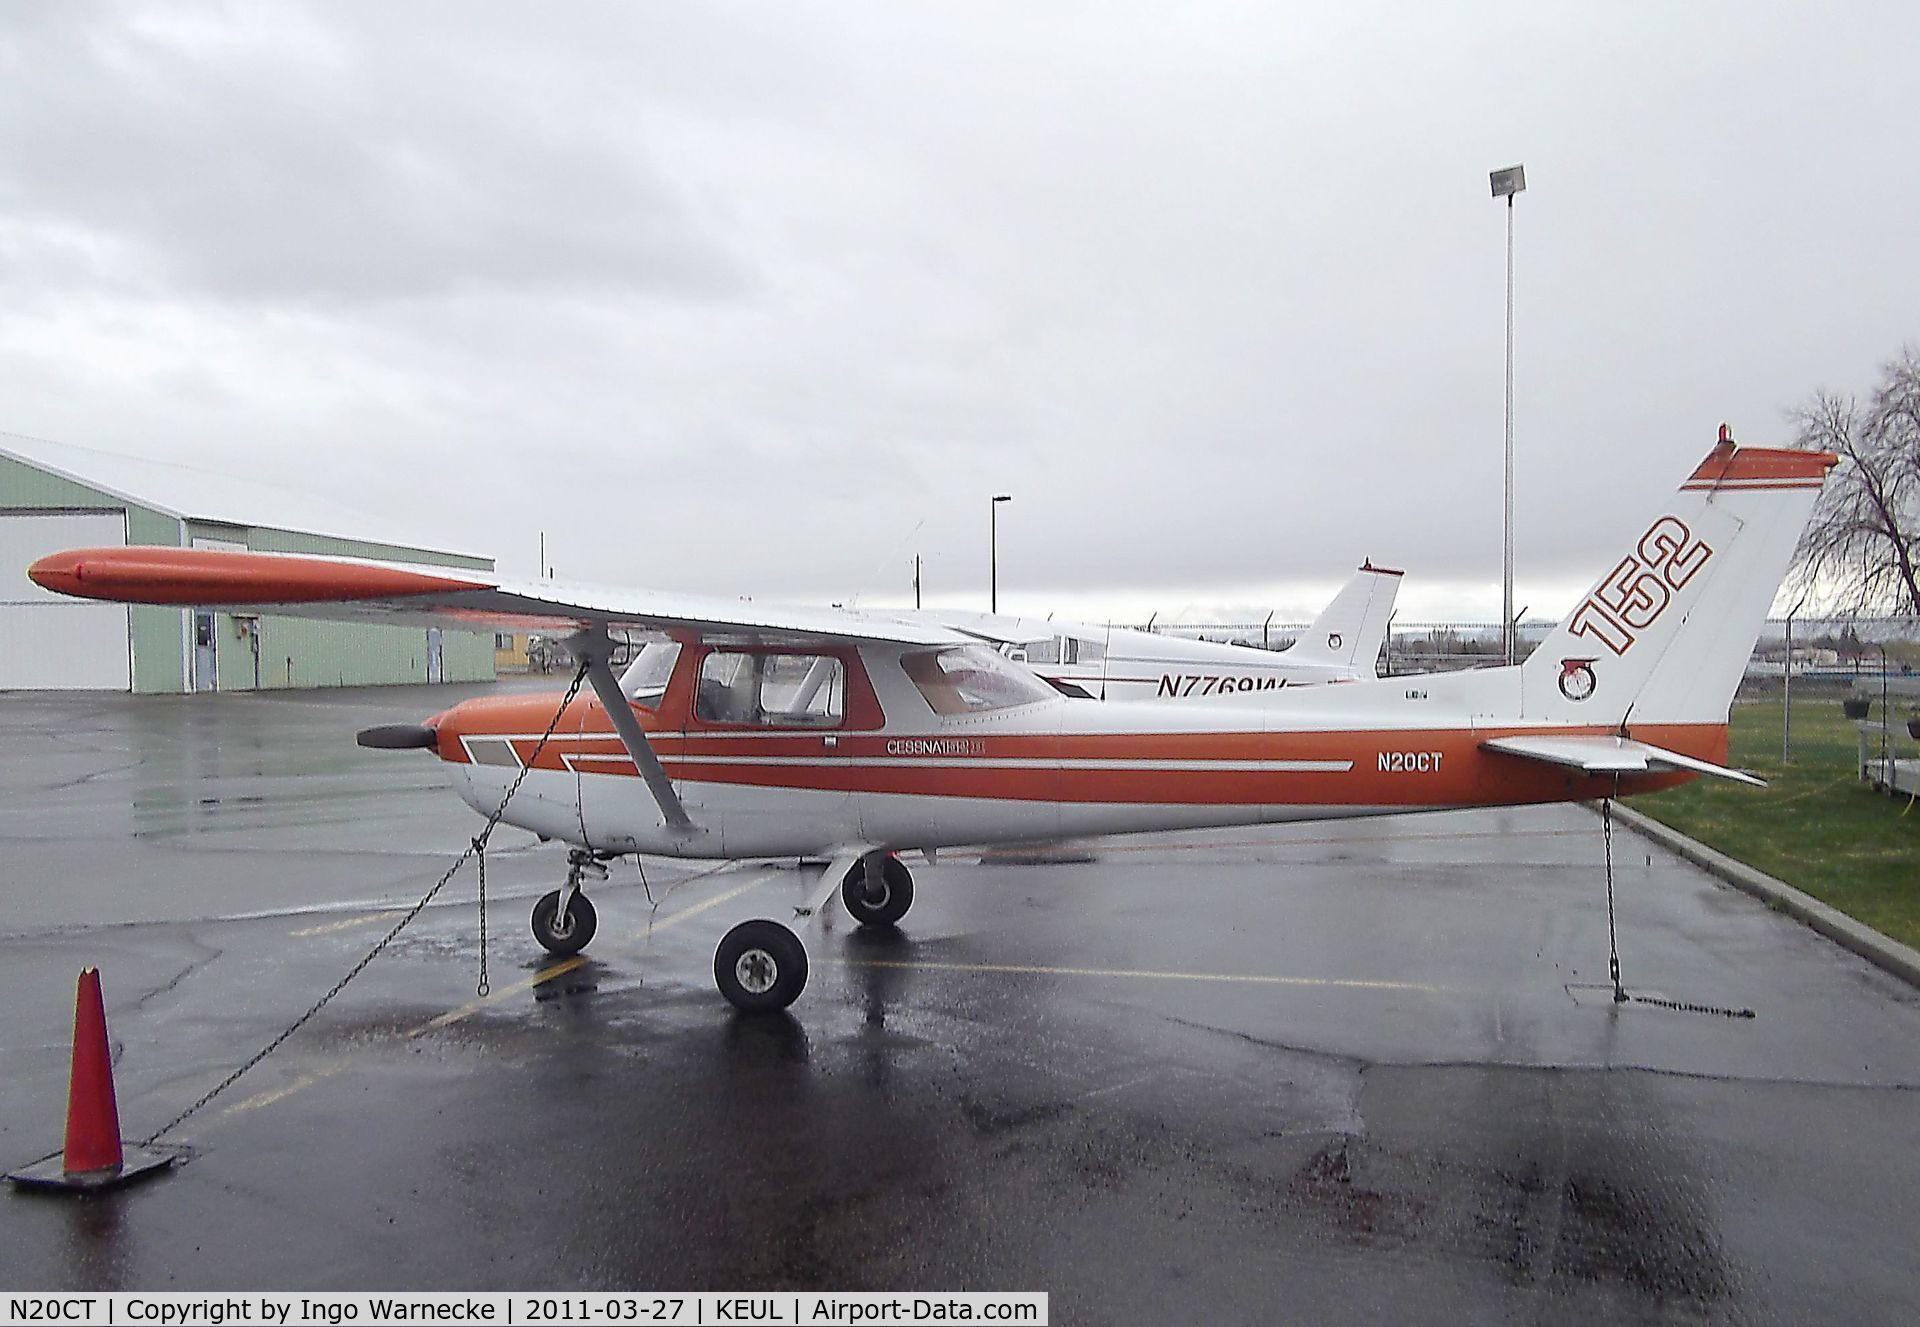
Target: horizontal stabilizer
[{"x": 1612, "y": 755}]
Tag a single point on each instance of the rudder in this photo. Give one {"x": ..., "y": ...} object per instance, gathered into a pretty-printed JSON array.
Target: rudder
[
  {"x": 1664, "y": 636},
  {"x": 1350, "y": 630}
]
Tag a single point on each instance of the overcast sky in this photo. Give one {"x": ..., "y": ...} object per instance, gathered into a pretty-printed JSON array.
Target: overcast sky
[{"x": 764, "y": 299}]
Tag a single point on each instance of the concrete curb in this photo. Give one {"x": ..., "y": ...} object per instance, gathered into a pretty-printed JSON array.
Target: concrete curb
[{"x": 1843, "y": 930}]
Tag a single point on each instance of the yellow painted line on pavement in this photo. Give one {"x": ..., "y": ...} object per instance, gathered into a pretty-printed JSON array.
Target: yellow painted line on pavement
[
  {"x": 563, "y": 967},
  {"x": 652, "y": 928},
  {"x": 307, "y": 1080},
  {"x": 472, "y": 1007},
  {"x": 267, "y": 1098},
  {"x": 1037, "y": 970},
  {"x": 525, "y": 984},
  {"x": 1102, "y": 850},
  {"x": 348, "y": 924}
]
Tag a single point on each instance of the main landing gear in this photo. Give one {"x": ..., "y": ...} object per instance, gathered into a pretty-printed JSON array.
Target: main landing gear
[
  {"x": 563, "y": 921},
  {"x": 878, "y": 890},
  {"x": 761, "y": 965}
]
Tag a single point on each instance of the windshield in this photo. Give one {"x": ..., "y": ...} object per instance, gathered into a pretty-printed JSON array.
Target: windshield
[
  {"x": 970, "y": 679},
  {"x": 645, "y": 680}
]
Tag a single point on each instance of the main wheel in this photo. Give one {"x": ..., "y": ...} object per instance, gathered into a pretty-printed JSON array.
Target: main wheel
[
  {"x": 760, "y": 966},
  {"x": 886, "y": 907},
  {"x": 563, "y": 935}
]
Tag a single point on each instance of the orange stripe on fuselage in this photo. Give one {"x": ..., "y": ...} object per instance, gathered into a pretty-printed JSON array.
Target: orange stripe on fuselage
[{"x": 1463, "y": 774}]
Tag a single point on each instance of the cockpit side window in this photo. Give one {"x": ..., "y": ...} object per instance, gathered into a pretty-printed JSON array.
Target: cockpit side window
[
  {"x": 771, "y": 690},
  {"x": 1044, "y": 651}
]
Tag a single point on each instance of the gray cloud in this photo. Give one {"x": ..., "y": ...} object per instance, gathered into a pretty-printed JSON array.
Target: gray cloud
[
  {"x": 257, "y": 155},
  {"x": 765, "y": 298}
]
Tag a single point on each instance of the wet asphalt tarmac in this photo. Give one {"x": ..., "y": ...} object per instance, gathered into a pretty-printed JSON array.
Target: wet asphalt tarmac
[{"x": 1326, "y": 1073}]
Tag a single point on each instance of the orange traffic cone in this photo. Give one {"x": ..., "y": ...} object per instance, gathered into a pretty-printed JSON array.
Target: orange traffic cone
[{"x": 94, "y": 1156}]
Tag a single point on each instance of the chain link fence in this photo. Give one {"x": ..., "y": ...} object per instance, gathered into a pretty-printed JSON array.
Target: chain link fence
[{"x": 1839, "y": 649}]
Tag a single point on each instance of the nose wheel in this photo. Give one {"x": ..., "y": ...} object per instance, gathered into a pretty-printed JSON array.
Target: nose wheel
[
  {"x": 564, "y": 921},
  {"x": 563, "y": 933}
]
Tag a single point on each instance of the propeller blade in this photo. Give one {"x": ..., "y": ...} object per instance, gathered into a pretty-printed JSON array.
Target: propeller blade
[{"x": 397, "y": 737}]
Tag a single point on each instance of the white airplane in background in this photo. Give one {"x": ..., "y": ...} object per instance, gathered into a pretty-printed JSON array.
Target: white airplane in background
[
  {"x": 828, "y": 735},
  {"x": 1123, "y": 663},
  {"x": 1120, "y": 663}
]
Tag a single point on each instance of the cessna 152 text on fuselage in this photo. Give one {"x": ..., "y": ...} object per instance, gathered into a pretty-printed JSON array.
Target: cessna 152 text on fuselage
[{"x": 820, "y": 734}]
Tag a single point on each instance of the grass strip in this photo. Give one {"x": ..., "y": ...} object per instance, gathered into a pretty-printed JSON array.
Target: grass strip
[{"x": 1815, "y": 825}]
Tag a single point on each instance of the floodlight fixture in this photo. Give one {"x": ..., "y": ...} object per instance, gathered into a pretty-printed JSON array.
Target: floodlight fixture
[{"x": 1507, "y": 182}]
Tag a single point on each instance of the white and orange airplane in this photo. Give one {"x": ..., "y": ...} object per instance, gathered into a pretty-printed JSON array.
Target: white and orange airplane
[
  {"x": 1119, "y": 663},
  {"x": 826, "y": 735}
]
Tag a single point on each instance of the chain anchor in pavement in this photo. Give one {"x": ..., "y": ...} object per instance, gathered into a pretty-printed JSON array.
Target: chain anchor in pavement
[{"x": 1620, "y": 994}]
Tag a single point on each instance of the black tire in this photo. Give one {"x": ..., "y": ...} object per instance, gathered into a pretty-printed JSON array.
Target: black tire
[
  {"x": 896, "y": 896},
  {"x": 760, "y": 967},
  {"x": 571, "y": 938}
]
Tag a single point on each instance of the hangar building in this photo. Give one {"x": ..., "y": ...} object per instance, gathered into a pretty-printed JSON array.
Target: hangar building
[{"x": 54, "y": 496}]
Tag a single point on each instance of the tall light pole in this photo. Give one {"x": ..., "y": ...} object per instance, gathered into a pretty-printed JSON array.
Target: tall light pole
[
  {"x": 1506, "y": 183},
  {"x": 993, "y": 550}
]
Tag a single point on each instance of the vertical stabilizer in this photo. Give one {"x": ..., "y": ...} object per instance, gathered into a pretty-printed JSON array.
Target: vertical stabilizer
[
  {"x": 1664, "y": 635},
  {"x": 1351, "y": 630}
]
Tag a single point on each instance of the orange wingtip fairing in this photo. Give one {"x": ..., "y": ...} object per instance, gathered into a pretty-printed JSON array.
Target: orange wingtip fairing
[
  {"x": 209, "y": 576},
  {"x": 1729, "y": 463}
]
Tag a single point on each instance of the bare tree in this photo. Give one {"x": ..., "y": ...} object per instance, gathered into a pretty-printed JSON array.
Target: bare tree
[{"x": 1861, "y": 550}]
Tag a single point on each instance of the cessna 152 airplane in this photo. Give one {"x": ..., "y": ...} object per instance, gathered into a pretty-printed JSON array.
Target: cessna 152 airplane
[
  {"x": 819, "y": 734},
  {"x": 1117, "y": 663}
]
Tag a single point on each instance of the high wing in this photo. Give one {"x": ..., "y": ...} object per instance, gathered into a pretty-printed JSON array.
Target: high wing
[
  {"x": 994, "y": 628},
  {"x": 1611, "y": 755},
  {"x": 343, "y": 589}
]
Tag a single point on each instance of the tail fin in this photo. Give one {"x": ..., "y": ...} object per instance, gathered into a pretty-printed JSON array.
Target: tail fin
[
  {"x": 1664, "y": 636},
  {"x": 1353, "y": 627}
]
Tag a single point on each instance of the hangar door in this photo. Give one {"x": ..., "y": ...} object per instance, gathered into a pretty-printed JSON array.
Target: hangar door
[{"x": 49, "y": 642}]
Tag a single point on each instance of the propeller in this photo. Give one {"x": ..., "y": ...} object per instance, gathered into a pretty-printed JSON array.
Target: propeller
[{"x": 397, "y": 737}]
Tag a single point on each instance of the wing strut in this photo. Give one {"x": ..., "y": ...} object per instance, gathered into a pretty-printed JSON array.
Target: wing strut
[{"x": 595, "y": 647}]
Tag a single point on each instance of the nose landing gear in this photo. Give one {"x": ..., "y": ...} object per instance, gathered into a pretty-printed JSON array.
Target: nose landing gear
[{"x": 564, "y": 921}]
